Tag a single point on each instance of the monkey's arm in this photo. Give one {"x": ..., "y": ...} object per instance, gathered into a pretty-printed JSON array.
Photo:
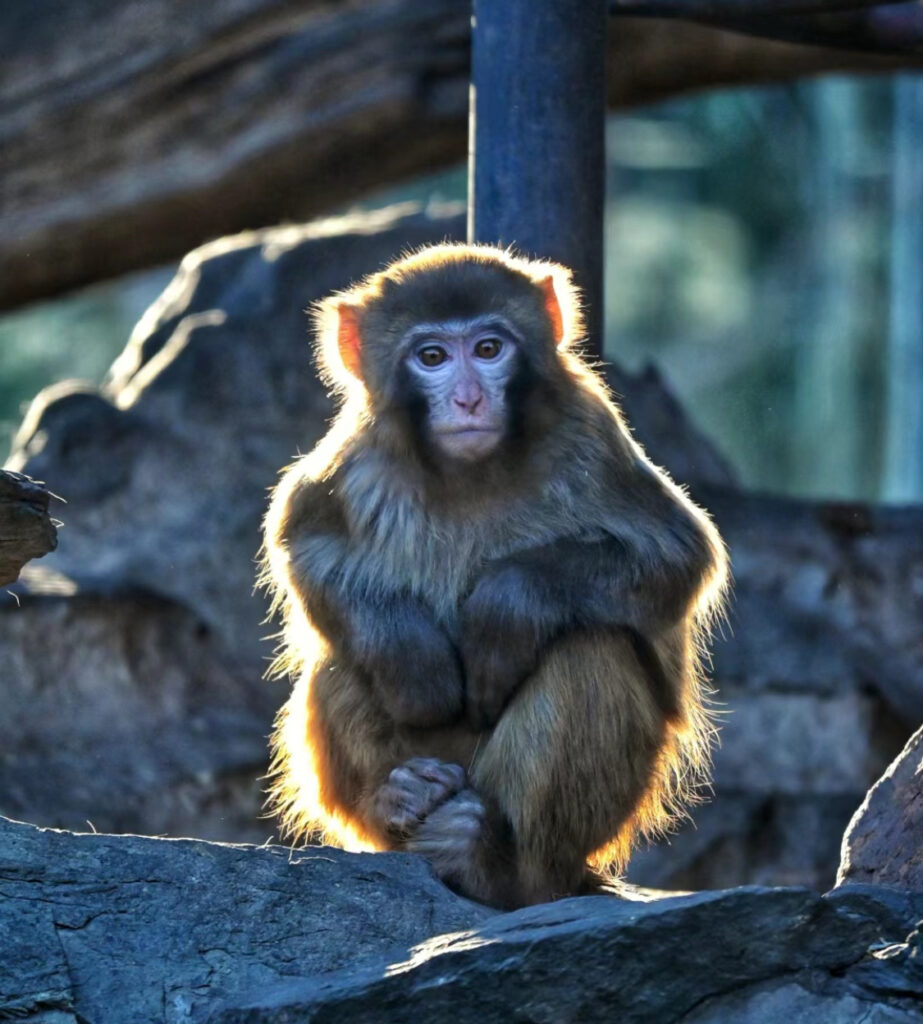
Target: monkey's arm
[
  {"x": 412, "y": 666},
  {"x": 643, "y": 576}
]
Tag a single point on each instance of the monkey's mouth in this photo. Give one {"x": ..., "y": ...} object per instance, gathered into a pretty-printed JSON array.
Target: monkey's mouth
[
  {"x": 468, "y": 443},
  {"x": 463, "y": 431}
]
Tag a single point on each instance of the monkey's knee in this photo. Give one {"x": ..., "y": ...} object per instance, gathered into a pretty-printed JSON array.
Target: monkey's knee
[{"x": 573, "y": 754}]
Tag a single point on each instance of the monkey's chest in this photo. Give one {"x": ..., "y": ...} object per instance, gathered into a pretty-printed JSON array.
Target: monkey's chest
[
  {"x": 433, "y": 560},
  {"x": 438, "y": 558}
]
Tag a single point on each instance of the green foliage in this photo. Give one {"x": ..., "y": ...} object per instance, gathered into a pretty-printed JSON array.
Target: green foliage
[{"x": 76, "y": 337}]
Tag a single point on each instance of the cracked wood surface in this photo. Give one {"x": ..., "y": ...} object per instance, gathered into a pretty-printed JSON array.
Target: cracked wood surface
[
  {"x": 26, "y": 529},
  {"x": 181, "y": 122}
]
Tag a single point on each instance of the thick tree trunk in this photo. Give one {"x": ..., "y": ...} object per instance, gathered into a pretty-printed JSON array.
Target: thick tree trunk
[{"x": 180, "y": 122}]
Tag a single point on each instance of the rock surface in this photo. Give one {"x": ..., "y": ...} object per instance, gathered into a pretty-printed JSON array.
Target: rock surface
[
  {"x": 149, "y": 712},
  {"x": 884, "y": 841},
  {"x": 126, "y": 929},
  {"x": 123, "y": 712},
  {"x": 129, "y": 929}
]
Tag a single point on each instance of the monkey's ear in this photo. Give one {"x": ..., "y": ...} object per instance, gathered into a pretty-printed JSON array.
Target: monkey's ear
[
  {"x": 553, "y": 308},
  {"x": 349, "y": 341}
]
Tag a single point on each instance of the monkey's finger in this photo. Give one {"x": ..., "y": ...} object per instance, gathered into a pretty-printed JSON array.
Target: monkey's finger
[
  {"x": 449, "y": 834},
  {"x": 407, "y": 798},
  {"x": 452, "y": 776},
  {"x": 468, "y": 802},
  {"x": 403, "y": 777}
]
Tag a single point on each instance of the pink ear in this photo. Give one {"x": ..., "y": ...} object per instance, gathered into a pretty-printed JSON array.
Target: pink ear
[
  {"x": 553, "y": 308},
  {"x": 348, "y": 339}
]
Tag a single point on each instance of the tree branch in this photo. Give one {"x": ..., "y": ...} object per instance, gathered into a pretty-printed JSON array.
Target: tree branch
[
  {"x": 893, "y": 29},
  {"x": 713, "y": 11},
  {"x": 183, "y": 122}
]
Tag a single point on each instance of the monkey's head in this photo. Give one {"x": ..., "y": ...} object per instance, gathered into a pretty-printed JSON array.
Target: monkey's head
[{"x": 463, "y": 347}]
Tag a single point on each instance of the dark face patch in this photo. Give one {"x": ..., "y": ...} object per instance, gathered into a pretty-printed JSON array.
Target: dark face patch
[{"x": 412, "y": 408}]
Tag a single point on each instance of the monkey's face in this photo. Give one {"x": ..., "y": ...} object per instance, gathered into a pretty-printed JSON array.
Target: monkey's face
[
  {"x": 461, "y": 369},
  {"x": 456, "y": 352}
]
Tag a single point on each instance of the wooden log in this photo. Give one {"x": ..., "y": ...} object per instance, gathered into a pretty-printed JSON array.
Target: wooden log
[
  {"x": 125, "y": 148},
  {"x": 26, "y": 529},
  {"x": 716, "y": 9},
  {"x": 893, "y": 28}
]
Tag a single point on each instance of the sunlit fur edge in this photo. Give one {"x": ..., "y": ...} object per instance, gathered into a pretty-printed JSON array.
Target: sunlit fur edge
[{"x": 682, "y": 772}]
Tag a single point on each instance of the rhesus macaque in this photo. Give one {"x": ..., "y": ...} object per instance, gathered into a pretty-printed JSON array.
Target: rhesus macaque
[{"x": 493, "y": 603}]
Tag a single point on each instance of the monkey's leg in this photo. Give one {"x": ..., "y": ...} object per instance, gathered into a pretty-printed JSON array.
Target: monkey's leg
[
  {"x": 343, "y": 762},
  {"x": 567, "y": 764}
]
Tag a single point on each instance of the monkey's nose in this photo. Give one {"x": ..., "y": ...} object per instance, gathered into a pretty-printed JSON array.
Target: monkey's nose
[{"x": 470, "y": 405}]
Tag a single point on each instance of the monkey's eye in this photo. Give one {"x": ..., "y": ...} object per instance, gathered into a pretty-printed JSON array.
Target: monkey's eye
[
  {"x": 432, "y": 355},
  {"x": 488, "y": 348}
]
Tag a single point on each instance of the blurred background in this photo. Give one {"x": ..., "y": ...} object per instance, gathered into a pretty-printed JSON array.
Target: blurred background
[{"x": 754, "y": 251}]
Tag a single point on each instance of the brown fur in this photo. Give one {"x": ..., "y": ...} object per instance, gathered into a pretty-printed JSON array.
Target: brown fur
[{"x": 595, "y": 748}]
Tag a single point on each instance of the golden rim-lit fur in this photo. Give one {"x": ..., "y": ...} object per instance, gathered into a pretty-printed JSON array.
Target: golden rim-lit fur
[{"x": 344, "y": 465}]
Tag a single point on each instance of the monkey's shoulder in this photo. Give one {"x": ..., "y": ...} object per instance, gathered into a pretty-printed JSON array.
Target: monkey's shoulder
[{"x": 303, "y": 503}]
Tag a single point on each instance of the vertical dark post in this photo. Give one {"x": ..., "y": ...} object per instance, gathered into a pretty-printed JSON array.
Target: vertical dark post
[{"x": 537, "y": 160}]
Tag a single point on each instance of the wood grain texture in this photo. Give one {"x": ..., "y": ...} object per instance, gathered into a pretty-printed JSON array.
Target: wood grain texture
[
  {"x": 26, "y": 529},
  {"x": 133, "y": 130}
]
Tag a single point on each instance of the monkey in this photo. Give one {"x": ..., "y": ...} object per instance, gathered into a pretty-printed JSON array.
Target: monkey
[{"x": 495, "y": 607}]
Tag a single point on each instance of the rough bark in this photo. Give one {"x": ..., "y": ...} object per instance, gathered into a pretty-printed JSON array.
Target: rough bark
[
  {"x": 26, "y": 529},
  {"x": 893, "y": 28},
  {"x": 692, "y": 9},
  {"x": 126, "y": 147}
]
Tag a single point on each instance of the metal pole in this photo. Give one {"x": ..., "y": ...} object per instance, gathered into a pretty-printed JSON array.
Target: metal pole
[{"x": 537, "y": 136}]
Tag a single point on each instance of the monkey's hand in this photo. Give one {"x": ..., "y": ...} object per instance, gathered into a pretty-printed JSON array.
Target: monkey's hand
[
  {"x": 414, "y": 668},
  {"x": 507, "y": 620}
]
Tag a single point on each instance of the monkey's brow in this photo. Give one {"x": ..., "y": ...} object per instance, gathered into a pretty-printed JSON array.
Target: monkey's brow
[{"x": 461, "y": 325}]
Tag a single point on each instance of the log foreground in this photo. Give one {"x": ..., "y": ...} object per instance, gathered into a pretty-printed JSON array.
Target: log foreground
[
  {"x": 126, "y": 147},
  {"x": 26, "y": 528},
  {"x": 116, "y": 929}
]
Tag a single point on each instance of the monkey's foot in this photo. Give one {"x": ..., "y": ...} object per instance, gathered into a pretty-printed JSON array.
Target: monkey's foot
[
  {"x": 450, "y": 837},
  {"x": 413, "y": 791}
]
